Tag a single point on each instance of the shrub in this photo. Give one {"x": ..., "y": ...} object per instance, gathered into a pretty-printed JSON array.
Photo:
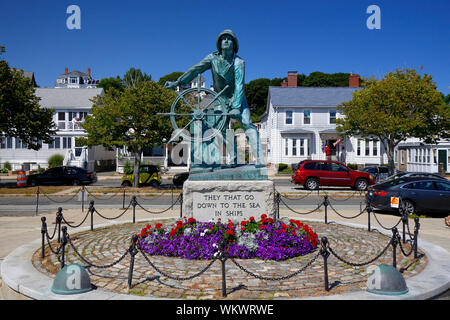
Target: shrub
[
  {"x": 352, "y": 166},
  {"x": 128, "y": 167},
  {"x": 55, "y": 160},
  {"x": 282, "y": 167},
  {"x": 7, "y": 165},
  {"x": 3, "y": 170}
]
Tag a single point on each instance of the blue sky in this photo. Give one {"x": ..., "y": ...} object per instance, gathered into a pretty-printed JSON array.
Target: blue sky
[{"x": 275, "y": 37}]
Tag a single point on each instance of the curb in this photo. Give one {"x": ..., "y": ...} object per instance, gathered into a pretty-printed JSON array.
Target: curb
[{"x": 25, "y": 281}]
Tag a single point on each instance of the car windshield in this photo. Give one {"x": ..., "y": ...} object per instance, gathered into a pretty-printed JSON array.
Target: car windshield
[{"x": 392, "y": 182}]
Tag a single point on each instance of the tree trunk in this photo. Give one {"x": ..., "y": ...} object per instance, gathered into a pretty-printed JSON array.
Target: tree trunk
[
  {"x": 390, "y": 155},
  {"x": 137, "y": 165}
]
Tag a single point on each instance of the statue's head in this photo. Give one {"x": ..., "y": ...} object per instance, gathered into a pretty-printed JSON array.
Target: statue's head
[{"x": 233, "y": 37}]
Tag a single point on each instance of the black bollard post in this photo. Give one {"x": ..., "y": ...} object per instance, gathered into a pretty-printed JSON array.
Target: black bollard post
[
  {"x": 43, "y": 232},
  {"x": 82, "y": 199},
  {"x": 369, "y": 211},
  {"x": 133, "y": 203},
  {"x": 395, "y": 237},
  {"x": 404, "y": 222},
  {"x": 324, "y": 253},
  {"x": 416, "y": 235},
  {"x": 277, "y": 205},
  {"x": 325, "y": 203},
  {"x": 91, "y": 210},
  {"x": 181, "y": 205},
  {"x": 123, "y": 199},
  {"x": 37, "y": 201},
  {"x": 63, "y": 248},
  {"x": 133, "y": 251},
  {"x": 59, "y": 217}
]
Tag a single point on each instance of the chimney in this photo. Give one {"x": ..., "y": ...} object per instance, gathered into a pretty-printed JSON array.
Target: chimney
[
  {"x": 66, "y": 71},
  {"x": 353, "y": 81},
  {"x": 89, "y": 72},
  {"x": 284, "y": 84},
  {"x": 292, "y": 79}
]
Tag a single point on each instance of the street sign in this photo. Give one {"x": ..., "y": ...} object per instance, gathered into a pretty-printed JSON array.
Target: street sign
[{"x": 394, "y": 202}]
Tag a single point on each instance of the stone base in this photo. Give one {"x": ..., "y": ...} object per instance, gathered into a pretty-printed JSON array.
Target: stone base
[{"x": 236, "y": 200}]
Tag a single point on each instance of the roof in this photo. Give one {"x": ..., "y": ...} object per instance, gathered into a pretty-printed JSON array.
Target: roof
[
  {"x": 310, "y": 96},
  {"x": 74, "y": 73},
  {"x": 298, "y": 130},
  {"x": 67, "y": 97}
]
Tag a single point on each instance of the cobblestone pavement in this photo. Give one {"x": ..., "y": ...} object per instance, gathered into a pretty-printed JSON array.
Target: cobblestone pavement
[{"x": 105, "y": 245}]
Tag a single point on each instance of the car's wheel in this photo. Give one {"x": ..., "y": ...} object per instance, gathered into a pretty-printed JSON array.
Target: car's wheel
[
  {"x": 361, "y": 184},
  {"x": 312, "y": 184},
  {"x": 76, "y": 182},
  {"x": 409, "y": 207},
  {"x": 154, "y": 184},
  {"x": 126, "y": 184}
]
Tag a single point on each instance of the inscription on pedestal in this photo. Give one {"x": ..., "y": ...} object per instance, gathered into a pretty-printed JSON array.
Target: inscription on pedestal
[{"x": 238, "y": 205}]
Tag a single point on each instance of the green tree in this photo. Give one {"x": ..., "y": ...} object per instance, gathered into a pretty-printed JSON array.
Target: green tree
[
  {"x": 403, "y": 104},
  {"x": 20, "y": 113},
  {"x": 129, "y": 119},
  {"x": 134, "y": 76},
  {"x": 170, "y": 77},
  {"x": 107, "y": 83}
]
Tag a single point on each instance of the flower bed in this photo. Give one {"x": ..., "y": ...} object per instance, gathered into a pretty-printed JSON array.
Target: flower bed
[{"x": 264, "y": 239}]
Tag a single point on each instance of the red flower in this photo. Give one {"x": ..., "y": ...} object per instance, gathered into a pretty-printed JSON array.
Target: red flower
[
  {"x": 262, "y": 227},
  {"x": 263, "y": 216},
  {"x": 158, "y": 225},
  {"x": 191, "y": 220},
  {"x": 270, "y": 220},
  {"x": 230, "y": 232},
  {"x": 252, "y": 219}
]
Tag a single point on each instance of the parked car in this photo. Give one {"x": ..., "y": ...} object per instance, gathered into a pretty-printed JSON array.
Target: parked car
[
  {"x": 379, "y": 173},
  {"x": 417, "y": 194},
  {"x": 405, "y": 174},
  {"x": 149, "y": 175},
  {"x": 179, "y": 179},
  {"x": 62, "y": 175},
  {"x": 314, "y": 173}
]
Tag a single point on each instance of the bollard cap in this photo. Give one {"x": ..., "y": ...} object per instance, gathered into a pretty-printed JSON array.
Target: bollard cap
[
  {"x": 72, "y": 279},
  {"x": 386, "y": 280}
]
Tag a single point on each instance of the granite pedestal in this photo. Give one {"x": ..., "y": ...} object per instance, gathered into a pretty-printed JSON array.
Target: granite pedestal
[{"x": 236, "y": 200}]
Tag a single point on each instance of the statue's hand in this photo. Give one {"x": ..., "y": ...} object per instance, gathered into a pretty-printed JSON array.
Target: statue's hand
[
  {"x": 171, "y": 84},
  {"x": 234, "y": 112}
]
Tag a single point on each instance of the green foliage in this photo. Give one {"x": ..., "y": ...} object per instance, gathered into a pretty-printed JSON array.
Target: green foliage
[
  {"x": 55, "y": 160},
  {"x": 170, "y": 77},
  {"x": 40, "y": 170},
  {"x": 107, "y": 83},
  {"x": 320, "y": 79},
  {"x": 4, "y": 170},
  {"x": 403, "y": 104},
  {"x": 352, "y": 166},
  {"x": 135, "y": 76},
  {"x": 7, "y": 165},
  {"x": 20, "y": 113},
  {"x": 282, "y": 166},
  {"x": 129, "y": 118},
  {"x": 128, "y": 167}
]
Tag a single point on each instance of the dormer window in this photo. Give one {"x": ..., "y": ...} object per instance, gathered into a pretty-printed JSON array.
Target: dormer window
[{"x": 73, "y": 80}]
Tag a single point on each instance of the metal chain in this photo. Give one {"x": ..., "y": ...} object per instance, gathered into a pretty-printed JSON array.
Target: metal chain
[
  {"x": 281, "y": 200},
  {"x": 90, "y": 264},
  {"x": 158, "y": 212},
  {"x": 276, "y": 278},
  {"x": 335, "y": 199},
  {"x": 364, "y": 263},
  {"x": 403, "y": 250},
  {"x": 75, "y": 226},
  {"x": 96, "y": 197},
  {"x": 173, "y": 277},
  {"x": 54, "y": 232},
  {"x": 155, "y": 197},
  {"x": 55, "y": 201},
  {"x": 357, "y": 215},
  {"x": 51, "y": 248},
  {"x": 129, "y": 205},
  {"x": 384, "y": 226},
  {"x": 295, "y": 198}
]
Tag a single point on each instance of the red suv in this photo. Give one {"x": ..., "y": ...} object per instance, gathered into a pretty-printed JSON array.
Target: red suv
[{"x": 312, "y": 173}]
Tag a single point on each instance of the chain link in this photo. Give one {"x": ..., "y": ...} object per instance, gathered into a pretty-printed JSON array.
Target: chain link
[
  {"x": 90, "y": 264},
  {"x": 357, "y": 215},
  {"x": 309, "y": 212},
  {"x": 374, "y": 214},
  {"x": 364, "y": 263},
  {"x": 158, "y": 212},
  {"x": 75, "y": 226},
  {"x": 63, "y": 201},
  {"x": 129, "y": 205},
  {"x": 276, "y": 278},
  {"x": 173, "y": 277}
]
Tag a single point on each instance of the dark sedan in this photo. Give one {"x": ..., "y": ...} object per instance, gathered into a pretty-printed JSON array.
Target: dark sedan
[
  {"x": 417, "y": 195},
  {"x": 62, "y": 176}
]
